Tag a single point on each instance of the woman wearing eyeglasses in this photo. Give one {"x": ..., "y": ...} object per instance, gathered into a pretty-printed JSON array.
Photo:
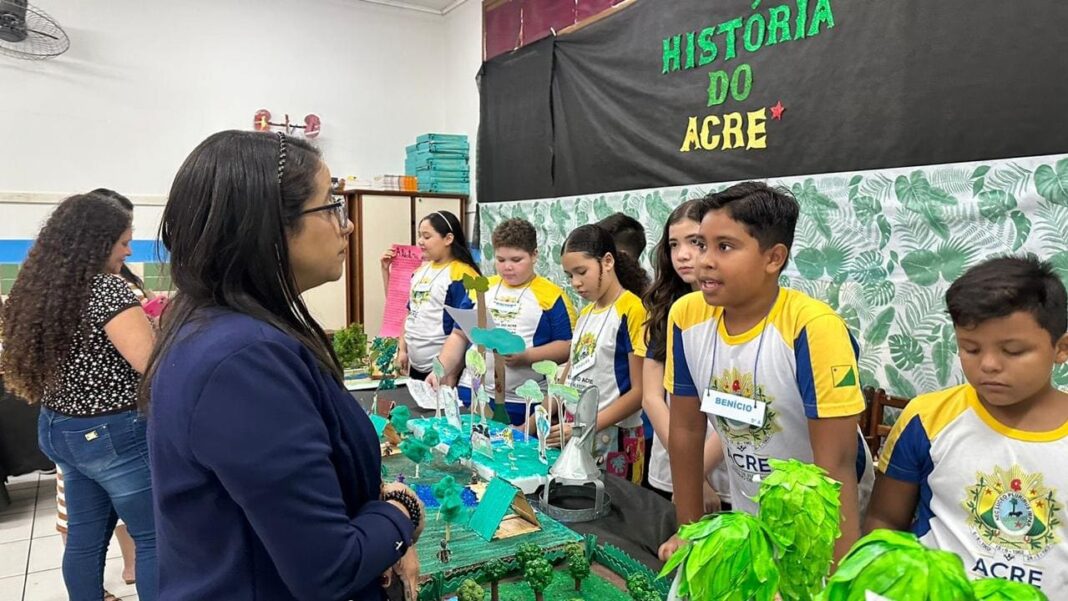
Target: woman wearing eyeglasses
[
  {"x": 438, "y": 283},
  {"x": 266, "y": 473}
]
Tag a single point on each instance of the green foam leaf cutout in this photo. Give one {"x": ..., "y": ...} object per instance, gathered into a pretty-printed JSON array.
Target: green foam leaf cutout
[
  {"x": 897, "y": 566},
  {"x": 996, "y": 589},
  {"x": 800, "y": 506},
  {"x": 731, "y": 557},
  {"x": 499, "y": 340},
  {"x": 530, "y": 391}
]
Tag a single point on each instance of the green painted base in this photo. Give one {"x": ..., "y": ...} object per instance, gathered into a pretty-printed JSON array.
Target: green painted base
[
  {"x": 469, "y": 551},
  {"x": 594, "y": 588}
]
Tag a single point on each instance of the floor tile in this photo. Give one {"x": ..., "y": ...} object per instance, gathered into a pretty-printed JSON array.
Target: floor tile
[
  {"x": 11, "y": 587},
  {"x": 45, "y": 586},
  {"x": 23, "y": 481},
  {"x": 13, "y": 558},
  {"x": 16, "y": 526},
  {"x": 21, "y": 505},
  {"x": 44, "y": 522},
  {"x": 45, "y": 554}
]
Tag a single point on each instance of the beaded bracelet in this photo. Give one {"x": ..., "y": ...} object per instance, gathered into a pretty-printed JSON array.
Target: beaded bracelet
[{"x": 409, "y": 502}]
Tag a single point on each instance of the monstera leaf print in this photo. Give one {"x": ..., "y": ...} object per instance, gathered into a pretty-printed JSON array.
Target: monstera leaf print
[{"x": 880, "y": 247}]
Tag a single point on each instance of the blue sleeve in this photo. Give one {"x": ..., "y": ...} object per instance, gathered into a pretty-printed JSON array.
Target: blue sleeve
[
  {"x": 456, "y": 297},
  {"x": 907, "y": 453},
  {"x": 554, "y": 325},
  {"x": 257, "y": 428},
  {"x": 681, "y": 382}
]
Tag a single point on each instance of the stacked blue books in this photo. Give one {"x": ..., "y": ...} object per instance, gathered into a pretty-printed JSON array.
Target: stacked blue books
[{"x": 440, "y": 163}]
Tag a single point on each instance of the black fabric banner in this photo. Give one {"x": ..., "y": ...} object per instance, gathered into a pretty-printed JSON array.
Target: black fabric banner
[
  {"x": 515, "y": 132},
  {"x": 671, "y": 92}
]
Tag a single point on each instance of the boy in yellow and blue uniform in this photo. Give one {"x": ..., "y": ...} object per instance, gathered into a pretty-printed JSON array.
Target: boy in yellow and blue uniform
[
  {"x": 980, "y": 469},
  {"x": 773, "y": 371}
]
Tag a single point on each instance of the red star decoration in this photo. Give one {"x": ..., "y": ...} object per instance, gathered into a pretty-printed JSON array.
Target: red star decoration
[{"x": 777, "y": 110}]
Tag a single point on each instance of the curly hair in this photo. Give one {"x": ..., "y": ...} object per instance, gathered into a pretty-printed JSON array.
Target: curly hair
[
  {"x": 47, "y": 302},
  {"x": 595, "y": 242},
  {"x": 516, "y": 233},
  {"x": 667, "y": 287}
]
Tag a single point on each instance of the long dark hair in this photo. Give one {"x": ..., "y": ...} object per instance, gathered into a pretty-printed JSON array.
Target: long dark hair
[
  {"x": 125, "y": 272},
  {"x": 595, "y": 242},
  {"x": 225, "y": 227},
  {"x": 667, "y": 286},
  {"x": 445, "y": 223},
  {"x": 47, "y": 304}
]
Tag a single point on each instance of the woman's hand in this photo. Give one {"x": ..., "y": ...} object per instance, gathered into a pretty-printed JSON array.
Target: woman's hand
[
  {"x": 388, "y": 487},
  {"x": 407, "y": 569},
  {"x": 713, "y": 504},
  {"x": 669, "y": 547},
  {"x": 432, "y": 382}
]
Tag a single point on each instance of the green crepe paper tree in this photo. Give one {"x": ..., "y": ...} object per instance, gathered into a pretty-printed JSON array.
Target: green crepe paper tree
[
  {"x": 800, "y": 507},
  {"x": 451, "y": 509},
  {"x": 577, "y": 564},
  {"x": 996, "y": 589},
  {"x": 431, "y": 438},
  {"x": 459, "y": 449},
  {"x": 530, "y": 392},
  {"x": 731, "y": 557},
  {"x": 494, "y": 570},
  {"x": 897, "y": 566},
  {"x": 538, "y": 573},
  {"x": 640, "y": 588},
  {"x": 399, "y": 418},
  {"x": 528, "y": 552},
  {"x": 414, "y": 449},
  {"x": 444, "y": 487},
  {"x": 470, "y": 591}
]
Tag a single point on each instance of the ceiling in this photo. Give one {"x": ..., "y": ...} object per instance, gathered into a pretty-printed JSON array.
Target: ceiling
[{"x": 437, "y": 7}]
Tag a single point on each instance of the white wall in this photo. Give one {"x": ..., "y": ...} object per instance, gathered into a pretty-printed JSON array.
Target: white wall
[{"x": 145, "y": 81}]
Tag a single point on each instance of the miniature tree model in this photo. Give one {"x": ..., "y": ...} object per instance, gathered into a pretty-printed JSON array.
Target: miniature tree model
[
  {"x": 996, "y": 589},
  {"x": 470, "y": 591},
  {"x": 640, "y": 588},
  {"x": 538, "y": 573},
  {"x": 799, "y": 505},
  {"x": 896, "y": 566},
  {"x": 414, "y": 449},
  {"x": 477, "y": 364},
  {"x": 549, "y": 370},
  {"x": 500, "y": 342},
  {"x": 350, "y": 346},
  {"x": 577, "y": 564},
  {"x": 431, "y": 438},
  {"x": 526, "y": 553},
  {"x": 730, "y": 556},
  {"x": 459, "y": 449},
  {"x": 531, "y": 393},
  {"x": 495, "y": 570},
  {"x": 451, "y": 509},
  {"x": 399, "y": 418}
]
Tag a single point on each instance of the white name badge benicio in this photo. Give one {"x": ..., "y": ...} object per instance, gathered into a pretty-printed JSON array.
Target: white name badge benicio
[{"x": 734, "y": 407}]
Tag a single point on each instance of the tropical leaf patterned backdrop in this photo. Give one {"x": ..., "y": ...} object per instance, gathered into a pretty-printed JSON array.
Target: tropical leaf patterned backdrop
[{"x": 881, "y": 247}]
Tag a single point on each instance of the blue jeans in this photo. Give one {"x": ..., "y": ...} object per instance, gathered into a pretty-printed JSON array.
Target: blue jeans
[{"x": 105, "y": 473}]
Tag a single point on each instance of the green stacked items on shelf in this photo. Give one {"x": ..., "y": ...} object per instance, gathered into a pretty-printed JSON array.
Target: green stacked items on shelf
[
  {"x": 578, "y": 565},
  {"x": 897, "y": 566},
  {"x": 800, "y": 507},
  {"x": 996, "y": 589},
  {"x": 470, "y": 591},
  {"x": 494, "y": 571},
  {"x": 731, "y": 557},
  {"x": 538, "y": 573}
]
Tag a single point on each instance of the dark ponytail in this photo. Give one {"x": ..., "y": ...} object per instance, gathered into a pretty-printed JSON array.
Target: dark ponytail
[
  {"x": 445, "y": 223},
  {"x": 595, "y": 242}
]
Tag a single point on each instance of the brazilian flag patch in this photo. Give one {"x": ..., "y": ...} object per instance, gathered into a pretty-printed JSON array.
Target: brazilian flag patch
[{"x": 843, "y": 376}]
